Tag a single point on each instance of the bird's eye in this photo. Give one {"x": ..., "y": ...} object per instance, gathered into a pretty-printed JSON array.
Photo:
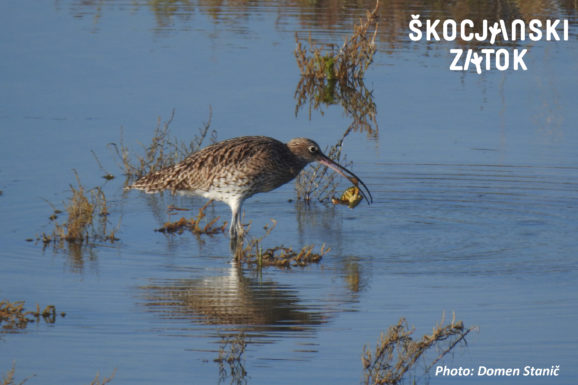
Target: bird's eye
[{"x": 312, "y": 149}]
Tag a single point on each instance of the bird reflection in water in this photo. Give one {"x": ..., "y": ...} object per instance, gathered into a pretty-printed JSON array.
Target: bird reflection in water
[{"x": 234, "y": 300}]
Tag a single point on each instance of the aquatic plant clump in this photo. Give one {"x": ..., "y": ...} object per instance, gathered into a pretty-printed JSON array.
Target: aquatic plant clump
[
  {"x": 194, "y": 225},
  {"x": 279, "y": 256},
  {"x": 347, "y": 64},
  {"x": 14, "y": 316},
  {"x": 87, "y": 218},
  {"x": 286, "y": 257},
  {"x": 397, "y": 352}
]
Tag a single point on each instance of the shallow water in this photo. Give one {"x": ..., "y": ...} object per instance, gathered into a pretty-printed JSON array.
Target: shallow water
[{"x": 474, "y": 179}]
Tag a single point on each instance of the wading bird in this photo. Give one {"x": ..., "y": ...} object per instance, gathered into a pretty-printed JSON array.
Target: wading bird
[{"x": 236, "y": 169}]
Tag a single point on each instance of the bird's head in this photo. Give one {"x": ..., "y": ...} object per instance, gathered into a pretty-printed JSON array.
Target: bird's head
[
  {"x": 308, "y": 151},
  {"x": 305, "y": 149}
]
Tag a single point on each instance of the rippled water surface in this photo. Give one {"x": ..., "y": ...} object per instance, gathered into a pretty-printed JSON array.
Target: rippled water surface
[{"x": 475, "y": 181}]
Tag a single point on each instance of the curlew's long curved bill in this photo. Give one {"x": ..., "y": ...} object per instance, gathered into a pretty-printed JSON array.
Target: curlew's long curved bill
[{"x": 324, "y": 160}]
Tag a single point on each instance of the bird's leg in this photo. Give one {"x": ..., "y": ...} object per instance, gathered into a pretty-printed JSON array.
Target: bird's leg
[
  {"x": 240, "y": 230},
  {"x": 236, "y": 246},
  {"x": 236, "y": 232},
  {"x": 236, "y": 228},
  {"x": 233, "y": 235},
  {"x": 233, "y": 227}
]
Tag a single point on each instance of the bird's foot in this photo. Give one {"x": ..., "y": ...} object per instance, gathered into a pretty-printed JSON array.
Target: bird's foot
[{"x": 236, "y": 246}]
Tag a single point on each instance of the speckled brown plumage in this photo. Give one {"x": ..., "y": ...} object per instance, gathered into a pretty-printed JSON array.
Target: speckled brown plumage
[
  {"x": 233, "y": 170},
  {"x": 244, "y": 166}
]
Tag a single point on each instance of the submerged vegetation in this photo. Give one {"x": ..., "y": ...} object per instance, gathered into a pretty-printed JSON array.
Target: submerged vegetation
[
  {"x": 397, "y": 353},
  {"x": 279, "y": 256},
  {"x": 14, "y": 316}
]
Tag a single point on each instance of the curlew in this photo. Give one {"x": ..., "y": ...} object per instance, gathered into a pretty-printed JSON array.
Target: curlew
[{"x": 235, "y": 169}]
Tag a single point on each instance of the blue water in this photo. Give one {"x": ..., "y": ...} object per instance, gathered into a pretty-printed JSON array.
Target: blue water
[{"x": 474, "y": 179}]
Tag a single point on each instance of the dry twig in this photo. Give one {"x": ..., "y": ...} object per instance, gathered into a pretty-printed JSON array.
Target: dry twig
[{"x": 397, "y": 352}]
